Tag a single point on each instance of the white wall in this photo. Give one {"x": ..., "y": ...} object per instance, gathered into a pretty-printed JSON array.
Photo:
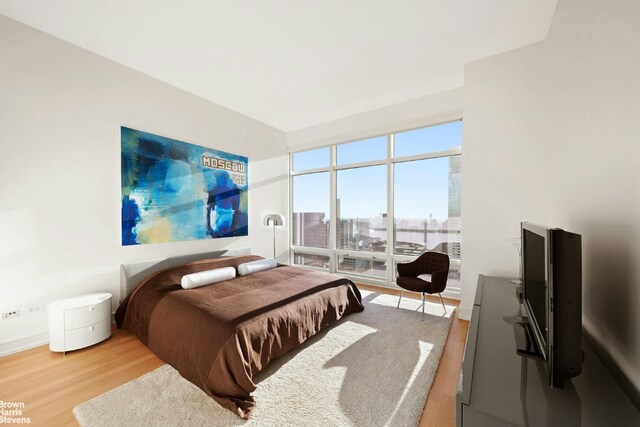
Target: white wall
[
  {"x": 61, "y": 110},
  {"x": 507, "y": 176},
  {"x": 427, "y": 110},
  {"x": 551, "y": 136}
]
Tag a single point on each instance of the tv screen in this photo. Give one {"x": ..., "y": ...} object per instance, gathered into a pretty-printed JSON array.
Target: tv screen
[
  {"x": 552, "y": 297},
  {"x": 536, "y": 282}
]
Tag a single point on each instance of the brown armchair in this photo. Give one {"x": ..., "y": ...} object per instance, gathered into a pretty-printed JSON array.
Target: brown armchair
[{"x": 435, "y": 264}]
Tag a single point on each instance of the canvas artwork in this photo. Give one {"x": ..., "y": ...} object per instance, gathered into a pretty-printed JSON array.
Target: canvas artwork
[{"x": 173, "y": 190}]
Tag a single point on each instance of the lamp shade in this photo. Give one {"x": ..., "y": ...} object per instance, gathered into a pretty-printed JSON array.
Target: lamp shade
[{"x": 273, "y": 219}]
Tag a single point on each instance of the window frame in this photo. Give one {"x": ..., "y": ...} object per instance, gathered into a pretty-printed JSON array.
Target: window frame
[
  {"x": 291, "y": 236},
  {"x": 333, "y": 252}
]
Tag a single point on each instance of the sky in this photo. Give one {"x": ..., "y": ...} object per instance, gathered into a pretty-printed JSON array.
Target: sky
[{"x": 420, "y": 187}]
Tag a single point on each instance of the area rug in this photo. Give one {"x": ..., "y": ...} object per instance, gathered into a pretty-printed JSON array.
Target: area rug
[{"x": 373, "y": 368}]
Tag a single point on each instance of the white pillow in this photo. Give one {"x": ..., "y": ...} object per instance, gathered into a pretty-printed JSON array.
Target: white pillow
[
  {"x": 255, "y": 266},
  {"x": 195, "y": 280}
]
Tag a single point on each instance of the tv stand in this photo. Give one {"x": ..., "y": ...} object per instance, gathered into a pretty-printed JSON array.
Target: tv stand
[
  {"x": 525, "y": 341},
  {"x": 500, "y": 387}
]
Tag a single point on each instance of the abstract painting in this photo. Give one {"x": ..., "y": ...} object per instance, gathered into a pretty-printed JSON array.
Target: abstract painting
[{"x": 173, "y": 190}]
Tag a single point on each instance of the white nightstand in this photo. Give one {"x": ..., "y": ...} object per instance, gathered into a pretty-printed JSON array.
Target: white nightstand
[{"x": 79, "y": 322}]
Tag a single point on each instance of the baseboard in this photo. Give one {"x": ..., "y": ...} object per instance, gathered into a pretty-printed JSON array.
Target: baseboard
[
  {"x": 464, "y": 313},
  {"x": 24, "y": 343},
  {"x": 615, "y": 360}
]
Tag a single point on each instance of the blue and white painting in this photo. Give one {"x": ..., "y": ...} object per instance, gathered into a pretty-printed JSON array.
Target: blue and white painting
[{"x": 173, "y": 190}]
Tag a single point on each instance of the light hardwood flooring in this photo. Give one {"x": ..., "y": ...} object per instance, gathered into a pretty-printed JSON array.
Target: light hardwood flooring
[{"x": 51, "y": 384}]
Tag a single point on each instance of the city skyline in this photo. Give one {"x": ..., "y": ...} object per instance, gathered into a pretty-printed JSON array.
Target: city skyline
[
  {"x": 361, "y": 188},
  {"x": 426, "y": 201},
  {"x": 363, "y": 191}
]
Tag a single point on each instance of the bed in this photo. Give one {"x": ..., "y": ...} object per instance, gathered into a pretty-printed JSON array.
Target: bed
[{"x": 219, "y": 336}]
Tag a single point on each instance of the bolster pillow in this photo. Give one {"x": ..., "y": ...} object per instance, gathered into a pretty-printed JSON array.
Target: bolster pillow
[
  {"x": 255, "y": 266},
  {"x": 195, "y": 280}
]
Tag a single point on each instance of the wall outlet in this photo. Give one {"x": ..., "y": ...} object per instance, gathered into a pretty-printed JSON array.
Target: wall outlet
[
  {"x": 10, "y": 314},
  {"x": 35, "y": 309}
]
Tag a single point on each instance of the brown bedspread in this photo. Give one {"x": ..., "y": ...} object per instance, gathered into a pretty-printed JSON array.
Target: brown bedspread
[{"x": 218, "y": 336}]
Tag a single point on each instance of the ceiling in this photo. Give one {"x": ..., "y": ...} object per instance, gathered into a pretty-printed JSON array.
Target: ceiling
[{"x": 297, "y": 63}]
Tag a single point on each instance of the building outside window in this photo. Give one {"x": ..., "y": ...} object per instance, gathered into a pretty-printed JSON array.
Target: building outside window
[{"x": 343, "y": 197}]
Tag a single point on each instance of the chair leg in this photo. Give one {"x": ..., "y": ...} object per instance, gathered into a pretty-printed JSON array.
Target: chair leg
[
  {"x": 445, "y": 308},
  {"x": 423, "y": 306},
  {"x": 400, "y": 299}
]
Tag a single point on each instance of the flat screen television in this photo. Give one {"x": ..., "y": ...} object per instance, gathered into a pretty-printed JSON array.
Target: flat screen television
[{"x": 552, "y": 297}]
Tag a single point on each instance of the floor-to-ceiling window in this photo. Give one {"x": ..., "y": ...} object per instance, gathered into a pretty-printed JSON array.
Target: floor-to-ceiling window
[
  {"x": 310, "y": 197},
  {"x": 342, "y": 197}
]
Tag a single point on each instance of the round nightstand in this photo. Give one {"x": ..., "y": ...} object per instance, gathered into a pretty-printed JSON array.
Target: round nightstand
[{"x": 79, "y": 322}]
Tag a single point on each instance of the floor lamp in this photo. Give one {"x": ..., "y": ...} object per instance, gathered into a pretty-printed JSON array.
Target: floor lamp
[{"x": 274, "y": 220}]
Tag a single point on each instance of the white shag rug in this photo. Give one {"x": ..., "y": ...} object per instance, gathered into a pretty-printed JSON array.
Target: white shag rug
[{"x": 373, "y": 368}]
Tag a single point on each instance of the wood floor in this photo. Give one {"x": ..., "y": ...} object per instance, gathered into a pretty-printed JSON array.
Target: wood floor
[{"x": 51, "y": 384}]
